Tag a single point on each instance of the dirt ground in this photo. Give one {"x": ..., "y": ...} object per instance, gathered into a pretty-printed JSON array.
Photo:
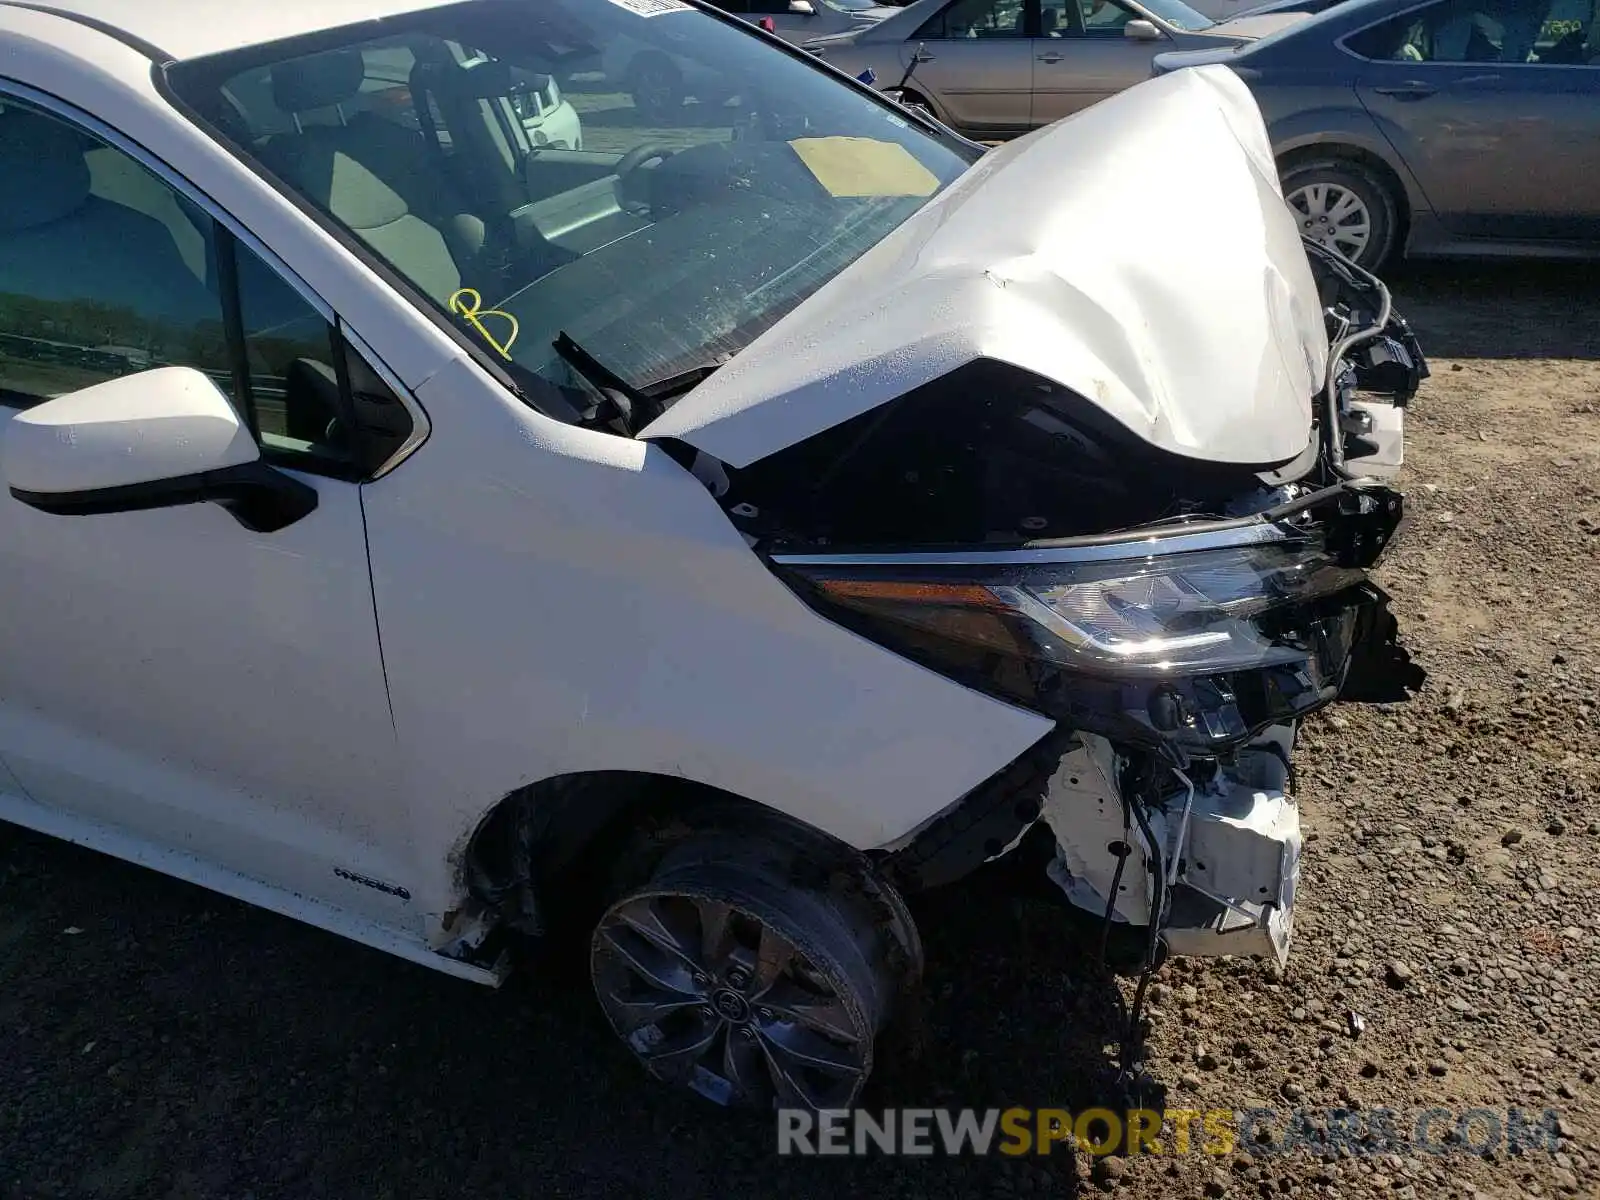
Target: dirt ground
[{"x": 157, "y": 1041}]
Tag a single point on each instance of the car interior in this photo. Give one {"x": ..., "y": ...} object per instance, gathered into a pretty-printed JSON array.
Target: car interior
[
  {"x": 105, "y": 270},
  {"x": 1540, "y": 32},
  {"x": 81, "y": 225},
  {"x": 416, "y": 144}
]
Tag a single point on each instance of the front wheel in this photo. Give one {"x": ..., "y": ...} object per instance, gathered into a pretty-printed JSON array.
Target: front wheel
[
  {"x": 726, "y": 976},
  {"x": 1344, "y": 206}
]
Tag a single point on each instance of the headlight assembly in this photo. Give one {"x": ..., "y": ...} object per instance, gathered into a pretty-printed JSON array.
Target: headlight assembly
[{"x": 1201, "y": 638}]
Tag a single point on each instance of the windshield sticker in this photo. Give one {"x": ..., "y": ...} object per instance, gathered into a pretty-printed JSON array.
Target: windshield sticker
[
  {"x": 653, "y": 8},
  {"x": 855, "y": 167},
  {"x": 468, "y": 305}
]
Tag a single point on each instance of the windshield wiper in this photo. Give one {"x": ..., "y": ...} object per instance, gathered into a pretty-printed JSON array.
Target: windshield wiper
[
  {"x": 628, "y": 406},
  {"x": 676, "y": 385}
]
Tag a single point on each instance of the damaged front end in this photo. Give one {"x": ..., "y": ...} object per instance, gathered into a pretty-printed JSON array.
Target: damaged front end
[
  {"x": 1178, "y": 661},
  {"x": 1182, "y": 622},
  {"x": 1139, "y": 495}
]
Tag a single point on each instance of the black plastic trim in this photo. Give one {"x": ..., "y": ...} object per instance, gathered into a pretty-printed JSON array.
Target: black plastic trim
[
  {"x": 233, "y": 324},
  {"x": 260, "y": 497},
  {"x": 984, "y": 822}
]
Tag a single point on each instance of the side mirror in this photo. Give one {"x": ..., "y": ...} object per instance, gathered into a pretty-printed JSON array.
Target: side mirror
[
  {"x": 1141, "y": 30},
  {"x": 803, "y": 8},
  {"x": 156, "y": 439}
]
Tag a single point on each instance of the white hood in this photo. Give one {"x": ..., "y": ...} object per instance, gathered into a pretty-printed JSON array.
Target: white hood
[{"x": 1139, "y": 253}]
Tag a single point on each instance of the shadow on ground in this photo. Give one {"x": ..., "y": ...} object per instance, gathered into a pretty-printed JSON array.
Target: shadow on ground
[
  {"x": 1460, "y": 310},
  {"x": 184, "y": 1045}
]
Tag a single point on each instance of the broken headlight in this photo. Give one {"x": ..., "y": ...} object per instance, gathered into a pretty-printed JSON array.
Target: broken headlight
[{"x": 1196, "y": 638}]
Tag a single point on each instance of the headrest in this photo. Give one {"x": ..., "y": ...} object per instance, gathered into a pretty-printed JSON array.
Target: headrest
[
  {"x": 317, "y": 81},
  {"x": 316, "y": 161},
  {"x": 42, "y": 173}
]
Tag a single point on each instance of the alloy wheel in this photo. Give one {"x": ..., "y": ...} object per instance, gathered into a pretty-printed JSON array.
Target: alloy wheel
[
  {"x": 710, "y": 993},
  {"x": 1333, "y": 215}
]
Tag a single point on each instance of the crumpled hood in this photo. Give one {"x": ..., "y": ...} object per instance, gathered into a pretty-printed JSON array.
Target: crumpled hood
[{"x": 1139, "y": 253}]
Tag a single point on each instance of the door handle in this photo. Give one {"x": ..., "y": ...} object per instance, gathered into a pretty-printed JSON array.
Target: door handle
[
  {"x": 1410, "y": 90},
  {"x": 1052, "y": 57},
  {"x": 924, "y": 56}
]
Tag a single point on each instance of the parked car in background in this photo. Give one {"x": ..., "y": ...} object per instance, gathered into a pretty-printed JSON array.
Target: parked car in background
[
  {"x": 1226, "y": 10},
  {"x": 1309, "y": 7},
  {"x": 660, "y": 81},
  {"x": 997, "y": 68},
  {"x": 1452, "y": 127},
  {"x": 800, "y": 20}
]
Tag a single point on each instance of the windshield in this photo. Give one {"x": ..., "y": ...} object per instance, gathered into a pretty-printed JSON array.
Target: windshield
[
  {"x": 656, "y": 183},
  {"x": 1177, "y": 14}
]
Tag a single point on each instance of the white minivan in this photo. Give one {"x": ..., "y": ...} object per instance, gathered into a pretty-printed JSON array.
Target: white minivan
[{"x": 442, "y": 538}]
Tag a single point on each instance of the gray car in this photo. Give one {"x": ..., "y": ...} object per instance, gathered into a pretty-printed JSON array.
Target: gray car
[
  {"x": 1450, "y": 127},
  {"x": 996, "y": 68}
]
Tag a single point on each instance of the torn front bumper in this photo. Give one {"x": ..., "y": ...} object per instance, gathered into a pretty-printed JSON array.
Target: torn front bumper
[{"x": 1221, "y": 856}]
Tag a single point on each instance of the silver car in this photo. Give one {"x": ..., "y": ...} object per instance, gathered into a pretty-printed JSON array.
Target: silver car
[{"x": 997, "y": 68}]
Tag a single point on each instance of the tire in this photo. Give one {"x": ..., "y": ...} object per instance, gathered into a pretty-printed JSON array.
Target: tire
[
  {"x": 726, "y": 974},
  {"x": 657, "y": 87},
  {"x": 1346, "y": 206}
]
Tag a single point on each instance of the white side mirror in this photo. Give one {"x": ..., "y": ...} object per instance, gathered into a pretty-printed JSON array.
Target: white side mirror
[
  {"x": 803, "y": 8},
  {"x": 1140, "y": 30},
  {"x": 156, "y": 439}
]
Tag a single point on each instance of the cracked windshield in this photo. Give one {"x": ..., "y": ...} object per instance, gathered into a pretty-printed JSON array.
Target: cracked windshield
[{"x": 614, "y": 197}]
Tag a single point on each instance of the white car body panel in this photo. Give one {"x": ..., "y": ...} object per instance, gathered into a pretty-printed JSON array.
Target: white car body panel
[
  {"x": 317, "y": 720},
  {"x": 109, "y": 839},
  {"x": 1070, "y": 290},
  {"x": 559, "y": 128},
  {"x": 220, "y": 711},
  {"x": 504, "y": 593},
  {"x": 191, "y": 28},
  {"x": 218, "y": 690}
]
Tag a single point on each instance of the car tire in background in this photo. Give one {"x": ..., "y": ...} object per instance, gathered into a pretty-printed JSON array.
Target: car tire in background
[
  {"x": 657, "y": 87},
  {"x": 1345, "y": 205}
]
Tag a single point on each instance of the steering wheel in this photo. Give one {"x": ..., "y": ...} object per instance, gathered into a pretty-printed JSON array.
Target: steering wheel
[{"x": 625, "y": 169}]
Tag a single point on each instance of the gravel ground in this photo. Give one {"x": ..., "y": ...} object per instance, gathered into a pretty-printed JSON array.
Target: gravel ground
[{"x": 157, "y": 1041}]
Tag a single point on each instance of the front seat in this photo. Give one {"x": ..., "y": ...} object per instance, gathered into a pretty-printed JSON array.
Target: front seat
[
  {"x": 371, "y": 175},
  {"x": 77, "y": 252}
]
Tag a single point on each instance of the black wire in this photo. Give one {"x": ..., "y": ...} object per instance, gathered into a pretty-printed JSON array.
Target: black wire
[
  {"x": 1133, "y": 1042},
  {"x": 1116, "y": 877}
]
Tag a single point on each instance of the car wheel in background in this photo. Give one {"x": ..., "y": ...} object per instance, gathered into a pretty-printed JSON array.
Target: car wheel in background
[
  {"x": 1346, "y": 207},
  {"x": 725, "y": 974},
  {"x": 657, "y": 87}
]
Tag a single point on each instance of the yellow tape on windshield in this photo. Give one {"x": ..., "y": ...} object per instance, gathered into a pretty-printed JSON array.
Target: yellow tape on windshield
[
  {"x": 468, "y": 305},
  {"x": 856, "y": 166}
]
